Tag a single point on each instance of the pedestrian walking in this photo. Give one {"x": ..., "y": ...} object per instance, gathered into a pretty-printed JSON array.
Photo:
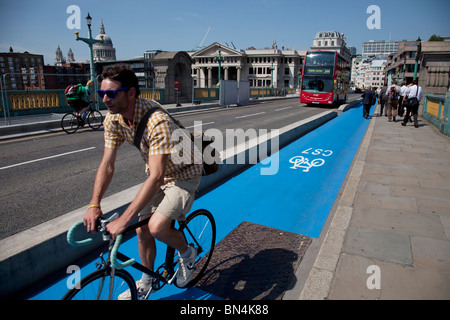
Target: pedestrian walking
[
  {"x": 414, "y": 94},
  {"x": 383, "y": 100},
  {"x": 367, "y": 102},
  {"x": 401, "y": 107},
  {"x": 393, "y": 92}
]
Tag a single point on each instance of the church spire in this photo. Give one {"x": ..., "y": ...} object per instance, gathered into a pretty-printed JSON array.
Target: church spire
[
  {"x": 70, "y": 56},
  {"x": 102, "y": 28},
  {"x": 59, "y": 57}
]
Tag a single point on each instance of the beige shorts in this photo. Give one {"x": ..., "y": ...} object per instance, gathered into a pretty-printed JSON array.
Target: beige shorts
[{"x": 174, "y": 201}]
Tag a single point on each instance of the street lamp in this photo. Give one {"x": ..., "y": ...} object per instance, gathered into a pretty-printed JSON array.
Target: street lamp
[
  {"x": 419, "y": 51},
  {"x": 271, "y": 78},
  {"x": 89, "y": 21},
  {"x": 404, "y": 68},
  {"x": 90, "y": 41},
  {"x": 220, "y": 60}
]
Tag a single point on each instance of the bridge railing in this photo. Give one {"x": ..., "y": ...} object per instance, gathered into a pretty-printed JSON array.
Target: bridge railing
[
  {"x": 436, "y": 110},
  {"x": 25, "y": 102}
]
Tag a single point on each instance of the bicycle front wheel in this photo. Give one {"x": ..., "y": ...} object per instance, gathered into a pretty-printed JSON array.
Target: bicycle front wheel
[
  {"x": 100, "y": 285},
  {"x": 95, "y": 119},
  {"x": 200, "y": 232},
  {"x": 69, "y": 123}
]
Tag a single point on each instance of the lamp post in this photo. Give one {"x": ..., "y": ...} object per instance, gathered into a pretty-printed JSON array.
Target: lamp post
[
  {"x": 219, "y": 59},
  {"x": 404, "y": 69},
  {"x": 90, "y": 41},
  {"x": 419, "y": 50},
  {"x": 271, "y": 78}
]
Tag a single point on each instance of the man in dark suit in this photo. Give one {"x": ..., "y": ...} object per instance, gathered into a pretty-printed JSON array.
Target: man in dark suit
[{"x": 367, "y": 101}]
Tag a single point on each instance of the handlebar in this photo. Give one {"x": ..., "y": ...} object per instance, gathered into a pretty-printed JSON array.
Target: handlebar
[
  {"x": 113, "y": 257},
  {"x": 76, "y": 243},
  {"x": 101, "y": 227}
]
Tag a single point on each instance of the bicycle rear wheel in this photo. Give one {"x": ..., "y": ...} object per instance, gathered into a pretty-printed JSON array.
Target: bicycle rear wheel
[
  {"x": 69, "y": 123},
  {"x": 98, "y": 286},
  {"x": 200, "y": 232},
  {"x": 95, "y": 119}
]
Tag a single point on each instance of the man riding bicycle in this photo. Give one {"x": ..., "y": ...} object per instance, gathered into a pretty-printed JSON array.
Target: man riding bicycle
[
  {"x": 169, "y": 190},
  {"x": 77, "y": 98}
]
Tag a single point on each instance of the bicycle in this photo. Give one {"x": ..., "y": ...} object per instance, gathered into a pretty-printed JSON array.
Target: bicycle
[
  {"x": 72, "y": 120},
  {"x": 110, "y": 279}
]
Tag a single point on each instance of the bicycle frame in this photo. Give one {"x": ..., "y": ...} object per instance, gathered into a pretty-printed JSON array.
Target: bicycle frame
[{"x": 168, "y": 273}]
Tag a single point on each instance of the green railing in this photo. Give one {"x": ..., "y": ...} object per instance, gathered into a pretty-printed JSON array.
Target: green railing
[
  {"x": 206, "y": 94},
  {"x": 269, "y": 92},
  {"x": 436, "y": 110},
  {"x": 22, "y": 102}
]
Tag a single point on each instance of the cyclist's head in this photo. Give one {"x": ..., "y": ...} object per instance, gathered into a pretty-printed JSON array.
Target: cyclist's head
[{"x": 124, "y": 75}]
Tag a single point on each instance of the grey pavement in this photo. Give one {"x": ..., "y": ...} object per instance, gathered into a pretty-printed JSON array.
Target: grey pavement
[{"x": 388, "y": 237}]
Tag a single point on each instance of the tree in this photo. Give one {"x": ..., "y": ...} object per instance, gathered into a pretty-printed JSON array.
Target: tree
[{"x": 435, "y": 37}]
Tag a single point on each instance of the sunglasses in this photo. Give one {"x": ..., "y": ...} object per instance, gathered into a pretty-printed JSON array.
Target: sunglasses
[{"x": 111, "y": 93}]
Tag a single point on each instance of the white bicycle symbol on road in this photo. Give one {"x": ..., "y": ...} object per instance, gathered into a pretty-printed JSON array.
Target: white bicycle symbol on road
[{"x": 302, "y": 162}]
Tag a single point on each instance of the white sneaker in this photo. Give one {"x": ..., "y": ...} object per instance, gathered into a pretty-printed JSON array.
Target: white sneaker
[
  {"x": 142, "y": 289},
  {"x": 186, "y": 268}
]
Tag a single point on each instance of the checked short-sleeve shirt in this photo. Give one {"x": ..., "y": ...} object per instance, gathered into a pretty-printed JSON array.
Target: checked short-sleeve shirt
[{"x": 156, "y": 140}]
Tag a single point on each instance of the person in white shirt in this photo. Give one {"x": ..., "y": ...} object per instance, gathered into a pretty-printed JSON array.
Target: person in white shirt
[
  {"x": 414, "y": 94},
  {"x": 401, "y": 108}
]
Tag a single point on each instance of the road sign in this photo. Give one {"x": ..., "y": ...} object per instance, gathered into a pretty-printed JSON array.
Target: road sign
[{"x": 177, "y": 85}]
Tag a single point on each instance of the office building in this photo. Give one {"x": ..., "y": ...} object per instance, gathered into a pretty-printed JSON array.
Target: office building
[{"x": 379, "y": 48}]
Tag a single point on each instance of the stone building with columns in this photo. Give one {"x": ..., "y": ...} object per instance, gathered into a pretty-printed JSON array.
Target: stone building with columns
[{"x": 260, "y": 67}]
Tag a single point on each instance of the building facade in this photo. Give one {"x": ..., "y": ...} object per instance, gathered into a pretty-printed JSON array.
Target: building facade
[
  {"x": 104, "y": 51},
  {"x": 332, "y": 41},
  {"x": 260, "y": 67},
  {"x": 379, "y": 48},
  {"x": 367, "y": 72},
  {"x": 400, "y": 65},
  {"x": 61, "y": 76},
  {"x": 24, "y": 70},
  {"x": 170, "y": 67},
  {"x": 434, "y": 74}
]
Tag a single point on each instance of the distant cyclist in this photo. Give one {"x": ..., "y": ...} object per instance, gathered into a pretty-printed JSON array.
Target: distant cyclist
[{"x": 77, "y": 98}]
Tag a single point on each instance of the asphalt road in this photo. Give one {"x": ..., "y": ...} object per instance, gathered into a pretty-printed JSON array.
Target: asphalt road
[{"x": 43, "y": 177}]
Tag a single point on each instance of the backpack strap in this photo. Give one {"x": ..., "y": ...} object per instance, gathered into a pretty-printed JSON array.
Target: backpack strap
[{"x": 141, "y": 128}]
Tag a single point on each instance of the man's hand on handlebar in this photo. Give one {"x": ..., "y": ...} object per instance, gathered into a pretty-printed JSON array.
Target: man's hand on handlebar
[
  {"x": 90, "y": 219},
  {"x": 116, "y": 227}
]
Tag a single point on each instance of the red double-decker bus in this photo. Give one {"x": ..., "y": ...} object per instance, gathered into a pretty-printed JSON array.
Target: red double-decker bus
[{"x": 325, "y": 78}]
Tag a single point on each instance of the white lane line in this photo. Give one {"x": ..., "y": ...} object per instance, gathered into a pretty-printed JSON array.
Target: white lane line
[
  {"x": 283, "y": 108},
  {"x": 46, "y": 158},
  {"x": 250, "y": 115},
  {"x": 201, "y": 124}
]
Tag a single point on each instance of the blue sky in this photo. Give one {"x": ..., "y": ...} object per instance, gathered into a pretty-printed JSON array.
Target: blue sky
[{"x": 139, "y": 25}]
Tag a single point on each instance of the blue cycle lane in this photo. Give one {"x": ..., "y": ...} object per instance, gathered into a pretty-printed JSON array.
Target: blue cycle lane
[{"x": 297, "y": 198}]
